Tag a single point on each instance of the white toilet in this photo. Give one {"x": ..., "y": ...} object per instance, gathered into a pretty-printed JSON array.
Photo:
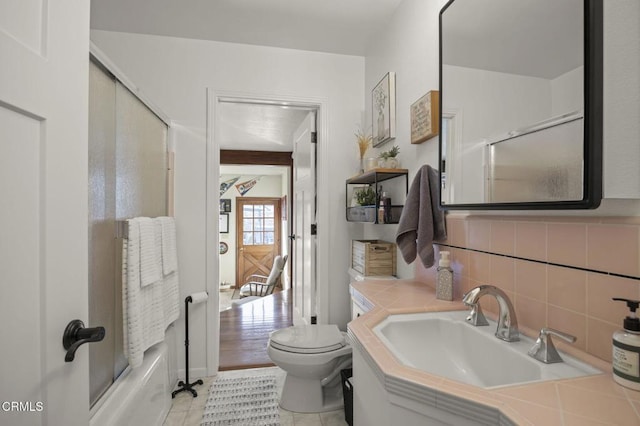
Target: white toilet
[{"x": 312, "y": 356}]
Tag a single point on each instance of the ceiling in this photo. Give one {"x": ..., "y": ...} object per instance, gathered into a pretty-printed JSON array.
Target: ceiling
[
  {"x": 257, "y": 126},
  {"x": 332, "y": 26},
  {"x": 335, "y": 26}
]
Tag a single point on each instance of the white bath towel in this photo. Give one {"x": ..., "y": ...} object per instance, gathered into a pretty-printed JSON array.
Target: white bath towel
[
  {"x": 148, "y": 310},
  {"x": 169, "y": 251},
  {"x": 150, "y": 251},
  {"x": 171, "y": 298}
]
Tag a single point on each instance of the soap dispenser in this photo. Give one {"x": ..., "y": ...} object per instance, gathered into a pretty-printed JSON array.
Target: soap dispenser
[
  {"x": 444, "y": 284},
  {"x": 626, "y": 349}
]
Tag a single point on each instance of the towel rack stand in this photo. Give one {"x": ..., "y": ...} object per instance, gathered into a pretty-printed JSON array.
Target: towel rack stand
[{"x": 186, "y": 386}]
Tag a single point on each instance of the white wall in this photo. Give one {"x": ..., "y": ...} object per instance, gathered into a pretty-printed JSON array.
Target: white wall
[
  {"x": 175, "y": 73},
  {"x": 409, "y": 47},
  {"x": 267, "y": 186},
  {"x": 622, "y": 99}
]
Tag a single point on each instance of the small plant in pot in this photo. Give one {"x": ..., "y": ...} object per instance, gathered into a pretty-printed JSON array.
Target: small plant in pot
[
  {"x": 365, "y": 196},
  {"x": 389, "y": 157}
]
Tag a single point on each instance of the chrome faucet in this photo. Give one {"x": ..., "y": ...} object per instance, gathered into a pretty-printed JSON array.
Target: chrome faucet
[
  {"x": 507, "y": 322},
  {"x": 544, "y": 350}
]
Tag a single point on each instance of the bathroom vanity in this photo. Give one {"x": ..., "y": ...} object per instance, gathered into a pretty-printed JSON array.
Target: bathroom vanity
[{"x": 387, "y": 391}]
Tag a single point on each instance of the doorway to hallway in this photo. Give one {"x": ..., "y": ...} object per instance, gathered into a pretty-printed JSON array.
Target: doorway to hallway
[
  {"x": 244, "y": 128},
  {"x": 258, "y": 228}
]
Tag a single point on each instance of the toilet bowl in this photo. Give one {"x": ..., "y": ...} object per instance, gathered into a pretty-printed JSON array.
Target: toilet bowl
[{"x": 312, "y": 356}]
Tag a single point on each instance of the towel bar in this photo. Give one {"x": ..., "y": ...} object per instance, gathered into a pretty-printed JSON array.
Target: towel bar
[{"x": 122, "y": 229}]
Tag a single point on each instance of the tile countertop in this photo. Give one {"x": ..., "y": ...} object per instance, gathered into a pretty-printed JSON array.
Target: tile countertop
[{"x": 591, "y": 400}]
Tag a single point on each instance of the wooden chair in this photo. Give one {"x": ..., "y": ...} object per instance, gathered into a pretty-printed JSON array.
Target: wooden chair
[{"x": 261, "y": 285}]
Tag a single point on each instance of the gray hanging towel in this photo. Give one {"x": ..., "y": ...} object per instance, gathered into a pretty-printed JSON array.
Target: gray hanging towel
[{"x": 421, "y": 222}]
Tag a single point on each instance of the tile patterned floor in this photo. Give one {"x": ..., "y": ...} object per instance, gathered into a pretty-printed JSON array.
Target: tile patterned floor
[{"x": 187, "y": 411}]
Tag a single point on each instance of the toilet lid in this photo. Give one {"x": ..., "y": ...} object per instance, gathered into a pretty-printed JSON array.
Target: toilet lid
[{"x": 308, "y": 339}]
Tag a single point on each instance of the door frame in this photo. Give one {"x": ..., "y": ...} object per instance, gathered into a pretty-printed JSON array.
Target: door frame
[
  {"x": 278, "y": 230},
  {"x": 321, "y": 105}
]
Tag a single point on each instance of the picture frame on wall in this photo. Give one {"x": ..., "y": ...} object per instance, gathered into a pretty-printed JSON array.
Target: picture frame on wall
[
  {"x": 225, "y": 205},
  {"x": 223, "y": 223},
  {"x": 425, "y": 120},
  {"x": 383, "y": 108}
]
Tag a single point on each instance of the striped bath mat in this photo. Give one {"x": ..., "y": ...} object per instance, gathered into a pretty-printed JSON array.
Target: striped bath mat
[{"x": 244, "y": 401}]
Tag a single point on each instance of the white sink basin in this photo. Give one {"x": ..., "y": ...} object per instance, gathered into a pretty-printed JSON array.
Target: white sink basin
[{"x": 442, "y": 343}]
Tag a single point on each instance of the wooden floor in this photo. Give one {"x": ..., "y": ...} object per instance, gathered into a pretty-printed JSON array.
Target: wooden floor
[{"x": 244, "y": 330}]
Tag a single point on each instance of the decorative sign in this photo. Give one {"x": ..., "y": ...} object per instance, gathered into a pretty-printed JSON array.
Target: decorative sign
[
  {"x": 425, "y": 117},
  {"x": 223, "y": 223},
  {"x": 224, "y": 186},
  {"x": 245, "y": 187}
]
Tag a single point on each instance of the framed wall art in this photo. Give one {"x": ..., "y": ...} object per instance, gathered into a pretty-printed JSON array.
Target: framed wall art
[
  {"x": 225, "y": 205},
  {"x": 223, "y": 223},
  {"x": 425, "y": 122},
  {"x": 383, "y": 107}
]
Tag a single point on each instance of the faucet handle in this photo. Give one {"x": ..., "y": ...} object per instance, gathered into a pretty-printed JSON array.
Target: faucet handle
[
  {"x": 544, "y": 350},
  {"x": 476, "y": 316}
]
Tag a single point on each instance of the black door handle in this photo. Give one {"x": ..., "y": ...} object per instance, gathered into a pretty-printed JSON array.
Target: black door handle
[
  {"x": 75, "y": 334},
  {"x": 292, "y": 237}
]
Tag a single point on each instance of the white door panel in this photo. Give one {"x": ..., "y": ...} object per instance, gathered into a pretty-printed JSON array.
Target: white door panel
[
  {"x": 304, "y": 261},
  {"x": 43, "y": 192}
]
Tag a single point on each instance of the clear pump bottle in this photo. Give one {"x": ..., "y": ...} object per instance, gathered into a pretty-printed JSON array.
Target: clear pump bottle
[
  {"x": 444, "y": 282},
  {"x": 626, "y": 349}
]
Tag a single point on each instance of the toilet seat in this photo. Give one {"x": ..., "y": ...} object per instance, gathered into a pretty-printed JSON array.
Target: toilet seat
[{"x": 308, "y": 339}]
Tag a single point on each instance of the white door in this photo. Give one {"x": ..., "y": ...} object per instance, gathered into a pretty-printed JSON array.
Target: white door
[
  {"x": 44, "y": 57},
  {"x": 304, "y": 193}
]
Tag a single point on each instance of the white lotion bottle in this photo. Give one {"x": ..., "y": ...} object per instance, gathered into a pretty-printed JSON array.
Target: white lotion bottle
[
  {"x": 626, "y": 349},
  {"x": 444, "y": 281}
]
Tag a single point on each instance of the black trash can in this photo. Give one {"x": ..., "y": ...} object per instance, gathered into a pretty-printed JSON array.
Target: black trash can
[{"x": 347, "y": 394}]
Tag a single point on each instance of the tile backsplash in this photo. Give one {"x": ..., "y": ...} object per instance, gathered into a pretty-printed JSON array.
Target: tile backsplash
[{"x": 559, "y": 272}]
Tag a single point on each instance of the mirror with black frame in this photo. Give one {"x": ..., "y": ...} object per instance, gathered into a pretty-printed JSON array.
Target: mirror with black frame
[{"x": 521, "y": 104}]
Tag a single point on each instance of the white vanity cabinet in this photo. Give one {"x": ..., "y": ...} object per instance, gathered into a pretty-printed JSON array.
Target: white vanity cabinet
[
  {"x": 356, "y": 309},
  {"x": 360, "y": 305},
  {"x": 399, "y": 402}
]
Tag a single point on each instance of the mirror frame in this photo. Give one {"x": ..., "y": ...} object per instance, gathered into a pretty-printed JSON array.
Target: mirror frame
[{"x": 593, "y": 122}]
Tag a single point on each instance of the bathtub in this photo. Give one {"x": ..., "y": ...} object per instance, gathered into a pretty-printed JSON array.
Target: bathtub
[{"x": 140, "y": 396}]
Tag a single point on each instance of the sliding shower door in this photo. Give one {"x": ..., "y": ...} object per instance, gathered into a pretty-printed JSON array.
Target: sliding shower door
[{"x": 127, "y": 178}]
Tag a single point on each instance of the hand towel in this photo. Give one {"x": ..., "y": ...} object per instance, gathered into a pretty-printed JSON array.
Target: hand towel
[
  {"x": 166, "y": 230},
  {"x": 169, "y": 252},
  {"x": 150, "y": 252},
  {"x": 421, "y": 222}
]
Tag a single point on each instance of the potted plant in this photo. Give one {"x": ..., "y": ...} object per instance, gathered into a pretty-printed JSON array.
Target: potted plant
[
  {"x": 365, "y": 196},
  {"x": 389, "y": 157}
]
